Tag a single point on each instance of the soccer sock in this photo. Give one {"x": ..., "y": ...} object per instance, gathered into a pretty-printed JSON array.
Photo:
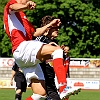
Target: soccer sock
[
  {"x": 29, "y": 98},
  {"x": 59, "y": 68},
  {"x": 36, "y": 97},
  {"x": 17, "y": 97}
]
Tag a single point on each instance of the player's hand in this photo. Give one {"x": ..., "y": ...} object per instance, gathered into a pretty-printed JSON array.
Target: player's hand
[
  {"x": 11, "y": 82},
  {"x": 31, "y": 5},
  {"x": 55, "y": 23},
  {"x": 62, "y": 47}
]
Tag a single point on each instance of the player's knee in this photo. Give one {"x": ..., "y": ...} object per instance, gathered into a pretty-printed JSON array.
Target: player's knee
[
  {"x": 57, "y": 54},
  {"x": 40, "y": 91},
  {"x": 18, "y": 91},
  {"x": 38, "y": 86}
]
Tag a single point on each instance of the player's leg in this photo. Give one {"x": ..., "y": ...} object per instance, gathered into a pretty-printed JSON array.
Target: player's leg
[
  {"x": 26, "y": 60},
  {"x": 35, "y": 80},
  {"x": 18, "y": 94},
  {"x": 49, "y": 75},
  {"x": 38, "y": 90},
  {"x": 46, "y": 52},
  {"x": 23, "y": 83},
  {"x": 36, "y": 49}
]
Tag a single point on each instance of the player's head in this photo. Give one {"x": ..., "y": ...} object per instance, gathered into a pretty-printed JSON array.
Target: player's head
[
  {"x": 46, "y": 20},
  {"x": 65, "y": 48},
  {"x": 52, "y": 32}
]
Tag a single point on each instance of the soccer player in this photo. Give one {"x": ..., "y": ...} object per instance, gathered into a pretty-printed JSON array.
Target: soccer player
[
  {"x": 48, "y": 71},
  {"x": 20, "y": 80},
  {"x": 29, "y": 53},
  {"x": 66, "y": 59},
  {"x": 66, "y": 65},
  {"x": 49, "y": 37}
]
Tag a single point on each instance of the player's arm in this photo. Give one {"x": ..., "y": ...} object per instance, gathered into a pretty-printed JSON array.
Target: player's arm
[
  {"x": 42, "y": 30},
  {"x": 19, "y": 6},
  {"x": 12, "y": 76}
]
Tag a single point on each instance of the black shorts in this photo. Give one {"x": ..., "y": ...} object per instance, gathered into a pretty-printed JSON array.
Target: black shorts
[{"x": 20, "y": 81}]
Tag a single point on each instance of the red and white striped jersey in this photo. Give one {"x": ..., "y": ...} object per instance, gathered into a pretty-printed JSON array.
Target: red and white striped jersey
[{"x": 17, "y": 26}]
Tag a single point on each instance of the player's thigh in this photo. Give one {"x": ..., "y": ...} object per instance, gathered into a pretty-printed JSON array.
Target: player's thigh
[
  {"x": 46, "y": 50},
  {"x": 38, "y": 86},
  {"x": 25, "y": 54}
]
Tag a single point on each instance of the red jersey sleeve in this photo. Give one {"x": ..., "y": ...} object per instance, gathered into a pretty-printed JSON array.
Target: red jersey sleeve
[{"x": 5, "y": 18}]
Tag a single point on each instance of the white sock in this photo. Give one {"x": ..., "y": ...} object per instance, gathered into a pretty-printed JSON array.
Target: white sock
[
  {"x": 38, "y": 97},
  {"x": 57, "y": 54}
]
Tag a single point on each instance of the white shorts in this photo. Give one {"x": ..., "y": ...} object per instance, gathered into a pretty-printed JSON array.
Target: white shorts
[
  {"x": 25, "y": 57},
  {"x": 25, "y": 54},
  {"x": 33, "y": 72}
]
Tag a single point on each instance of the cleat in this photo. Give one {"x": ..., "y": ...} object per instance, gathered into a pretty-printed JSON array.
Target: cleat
[
  {"x": 66, "y": 93},
  {"x": 73, "y": 91},
  {"x": 77, "y": 90}
]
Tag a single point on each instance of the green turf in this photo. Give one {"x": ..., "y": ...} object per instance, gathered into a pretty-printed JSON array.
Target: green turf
[
  {"x": 8, "y": 94},
  {"x": 86, "y": 95}
]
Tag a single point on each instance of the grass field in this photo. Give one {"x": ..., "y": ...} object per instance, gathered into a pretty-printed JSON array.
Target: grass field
[{"x": 8, "y": 94}]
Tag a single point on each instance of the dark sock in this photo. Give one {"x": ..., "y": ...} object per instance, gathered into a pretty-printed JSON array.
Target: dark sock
[{"x": 17, "y": 97}]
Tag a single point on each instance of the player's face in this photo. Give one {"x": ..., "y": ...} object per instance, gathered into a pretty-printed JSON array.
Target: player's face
[
  {"x": 66, "y": 49},
  {"x": 54, "y": 32}
]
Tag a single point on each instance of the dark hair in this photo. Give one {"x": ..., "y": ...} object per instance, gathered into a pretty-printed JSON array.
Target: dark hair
[
  {"x": 66, "y": 45},
  {"x": 46, "y": 20}
]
